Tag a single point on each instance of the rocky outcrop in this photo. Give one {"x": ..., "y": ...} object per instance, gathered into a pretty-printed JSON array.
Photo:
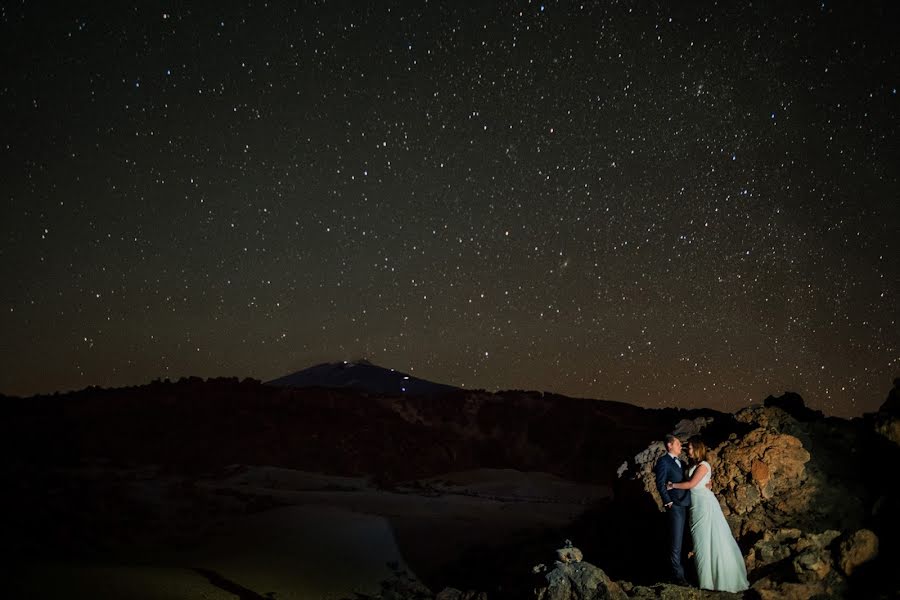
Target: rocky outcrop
[
  {"x": 887, "y": 420},
  {"x": 891, "y": 405},
  {"x": 643, "y": 463},
  {"x": 889, "y": 427},
  {"x": 580, "y": 580},
  {"x": 798, "y": 491},
  {"x": 767, "y": 478},
  {"x": 761, "y": 479},
  {"x": 668, "y": 591},
  {"x": 791, "y": 564},
  {"x": 584, "y": 581},
  {"x": 793, "y": 405},
  {"x": 569, "y": 553}
]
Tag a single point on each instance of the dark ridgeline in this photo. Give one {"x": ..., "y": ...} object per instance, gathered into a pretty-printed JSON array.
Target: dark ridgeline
[
  {"x": 361, "y": 375},
  {"x": 194, "y": 425}
]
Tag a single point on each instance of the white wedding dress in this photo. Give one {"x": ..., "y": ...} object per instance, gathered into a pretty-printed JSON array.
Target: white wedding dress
[{"x": 720, "y": 564}]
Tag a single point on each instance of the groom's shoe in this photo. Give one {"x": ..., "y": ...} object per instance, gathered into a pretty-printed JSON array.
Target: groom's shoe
[{"x": 681, "y": 581}]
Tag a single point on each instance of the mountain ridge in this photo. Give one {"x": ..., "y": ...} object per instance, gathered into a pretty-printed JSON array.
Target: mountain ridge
[
  {"x": 200, "y": 424},
  {"x": 361, "y": 375}
]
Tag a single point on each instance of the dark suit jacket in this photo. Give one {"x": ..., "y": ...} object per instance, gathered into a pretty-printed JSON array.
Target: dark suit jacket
[{"x": 666, "y": 469}]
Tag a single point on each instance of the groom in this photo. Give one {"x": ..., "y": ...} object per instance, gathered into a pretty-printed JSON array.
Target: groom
[{"x": 670, "y": 468}]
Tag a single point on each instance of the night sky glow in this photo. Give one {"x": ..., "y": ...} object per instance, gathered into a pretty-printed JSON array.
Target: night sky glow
[{"x": 663, "y": 203}]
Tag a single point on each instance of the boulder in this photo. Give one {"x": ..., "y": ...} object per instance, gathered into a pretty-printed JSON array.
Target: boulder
[
  {"x": 578, "y": 580},
  {"x": 761, "y": 480},
  {"x": 795, "y": 565},
  {"x": 857, "y": 549}
]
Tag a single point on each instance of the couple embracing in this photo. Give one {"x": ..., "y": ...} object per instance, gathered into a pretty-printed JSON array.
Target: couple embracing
[{"x": 720, "y": 564}]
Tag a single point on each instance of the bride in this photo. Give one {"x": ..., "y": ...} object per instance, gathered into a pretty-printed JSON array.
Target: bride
[{"x": 720, "y": 564}]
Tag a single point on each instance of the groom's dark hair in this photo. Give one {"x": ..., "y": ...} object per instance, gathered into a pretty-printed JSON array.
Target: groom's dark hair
[{"x": 669, "y": 439}]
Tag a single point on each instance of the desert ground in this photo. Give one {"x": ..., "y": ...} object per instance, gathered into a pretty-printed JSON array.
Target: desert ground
[{"x": 256, "y": 531}]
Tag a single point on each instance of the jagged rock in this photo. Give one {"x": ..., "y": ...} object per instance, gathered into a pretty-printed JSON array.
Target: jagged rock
[
  {"x": 455, "y": 594},
  {"x": 889, "y": 427},
  {"x": 668, "y": 591},
  {"x": 774, "y": 547},
  {"x": 859, "y": 548},
  {"x": 887, "y": 420},
  {"x": 891, "y": 404},
  {"x": 404, "y": 586},
  {"x": 796, "y": 488},
  {"x": 793, "y": 405},
  {"x": 643, "y": 463},
  {"x": 770, "y": 417},
  {"x": 569, "y": 553},
  {"x": 795, "y": 565},
  {"x": 786, "y": 591},
  {"x": 799, "y": 507},
  {"x": 581, "y": 581},
  {"x": 685, "y": 428},
  {"x": 761, "y": 480}
]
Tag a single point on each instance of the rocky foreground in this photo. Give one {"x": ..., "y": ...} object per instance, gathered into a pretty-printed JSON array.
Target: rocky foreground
[
  {"x": 101, "y": 474},
  {"x": 807, "y": 498}
]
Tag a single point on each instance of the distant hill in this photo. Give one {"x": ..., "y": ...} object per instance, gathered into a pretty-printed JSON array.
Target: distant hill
[
  {"x": 196, "y": 424},
  {"x": 362, "y": 376}
]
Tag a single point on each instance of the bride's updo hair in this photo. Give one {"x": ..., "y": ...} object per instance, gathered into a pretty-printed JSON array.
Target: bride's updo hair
[{"x": 699, "y": 447}]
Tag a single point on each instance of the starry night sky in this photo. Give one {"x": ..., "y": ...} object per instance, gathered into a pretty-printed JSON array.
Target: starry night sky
[{"x": 668, "y": 204}]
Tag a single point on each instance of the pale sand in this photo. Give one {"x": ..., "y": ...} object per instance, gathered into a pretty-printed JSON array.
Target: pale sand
[
  {"x": 334, "y": 538},
  {"x": 303, "y": 552},
  {"x": 51, "y": 580}
]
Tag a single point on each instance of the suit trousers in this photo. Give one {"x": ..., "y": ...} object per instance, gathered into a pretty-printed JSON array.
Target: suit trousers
[{"x": 677, "y": 517}]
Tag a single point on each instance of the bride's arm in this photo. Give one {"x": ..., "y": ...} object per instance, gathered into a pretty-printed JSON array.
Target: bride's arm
[{"x": 699, "y": 473}]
